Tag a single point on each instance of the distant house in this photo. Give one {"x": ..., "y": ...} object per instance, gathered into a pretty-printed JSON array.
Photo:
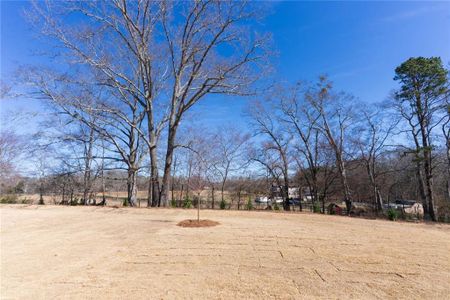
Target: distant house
[
  {"x": 410, "y": 207},
  {"x": 277, "y": 191},
  {"x": 294, "y": 192}
]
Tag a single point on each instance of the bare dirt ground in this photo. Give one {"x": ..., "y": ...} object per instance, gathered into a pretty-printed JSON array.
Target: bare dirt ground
[{"x": 54, "y": 252}]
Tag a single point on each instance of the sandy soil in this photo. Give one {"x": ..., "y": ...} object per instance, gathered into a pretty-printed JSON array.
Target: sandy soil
[{"x": 51, "y": 252}]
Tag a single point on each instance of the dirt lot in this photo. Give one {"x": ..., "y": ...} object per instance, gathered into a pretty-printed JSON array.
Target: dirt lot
[{"x": 51, "y": 252}]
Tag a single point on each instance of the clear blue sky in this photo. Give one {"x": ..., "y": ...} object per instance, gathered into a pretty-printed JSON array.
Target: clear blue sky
[{"x": 358, "y": 44}]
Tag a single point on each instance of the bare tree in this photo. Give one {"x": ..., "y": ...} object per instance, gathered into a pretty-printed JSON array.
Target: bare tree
[
  {"x": 335, "y": 116},
  {"x": 275, "y": 149},
  {"x": 114, "y": 118},
  {"x": 196, "y": 66},
  {"x": 229, "y": 146},
  {"x": 165, "y": 64},
  {"x": 115, "y": 41},
  {"x": 301, "y": 122},
  {"x": 11, "y": 147},
  {"x": 371, "y": 138},
  {"x": 75, "y": 145}
]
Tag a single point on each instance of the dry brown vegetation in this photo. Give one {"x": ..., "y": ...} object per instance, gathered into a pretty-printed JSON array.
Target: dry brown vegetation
[{"x": 99, "y": 252}]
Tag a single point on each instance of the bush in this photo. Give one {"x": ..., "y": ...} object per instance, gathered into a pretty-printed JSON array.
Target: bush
[
  {"x": 276, "y": 206},
  {"x": 187, "y": 203},
  {"x": 249, "y": 205},
  {"x": 408, "y": 217},
  {"x": 74, "y": 202},
  {"x": 223, "y": 204},
  {"x": 444, "y": 219},
  {"x": 173, "y": 203},
  {"x": 392, "y": 214},
  {"x": 26, "y": 201},
  {"x": 316, "y": 207},
  {"x": 8, "y": 199}
]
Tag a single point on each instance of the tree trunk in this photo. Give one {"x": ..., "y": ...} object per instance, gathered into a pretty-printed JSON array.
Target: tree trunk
[
  {"x": 198, "y": 207},
  {"x": 87, "y": 167},
  {"x": 168, "y": 162},
  {"x": 212, "y": 196},
  {"x": 376, "y": 191},
  {"x": 181, "y": 196},
  {"x": 286, "y": 205},
  {"x": 429, "y": 182},
  {"x": 379, "y": 199},
  {"x": 239, "y": 200},
  {"x": 63, "y": 194},
  {"x": 41, "y": 193},
  {"x": 221, "y": 191},
  {"x": 172, "y": 197},
  {"x": 188, "y": 184},
  {"x": 421, "y": 184},
  {"x": 153, "y": 186},
  {"x": 166, "y": 178},
  {"x": 448, "y": 165},
  {"x": 323, "y": 205},
  {"x": 132, "y": 187},
  {"x": 153, "y": 197},
  {"x": 344, "y": 182}
]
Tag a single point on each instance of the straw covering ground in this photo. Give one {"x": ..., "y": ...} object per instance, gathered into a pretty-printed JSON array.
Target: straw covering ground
[{"x": 54, "y": 252}]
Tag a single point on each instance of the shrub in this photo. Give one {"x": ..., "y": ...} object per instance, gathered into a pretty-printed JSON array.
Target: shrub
[
  {"x": 187, "y": 203},
  {"x": 444, "y": 219},
  {"x": 26, "y": 201},
  {"x": 316, "y": 207},
  {"x": 8, "y": 199},
  {"x": 173, "y": 203},
  {"x": 276, "y": 206},
  {"x": 223, "y": 204},
  {"x": 392, "y": 214},
  {"x": 249, "y": 205}
]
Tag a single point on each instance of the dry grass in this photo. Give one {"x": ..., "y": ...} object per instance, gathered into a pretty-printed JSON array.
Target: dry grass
[{"x": 53, "y": 252}]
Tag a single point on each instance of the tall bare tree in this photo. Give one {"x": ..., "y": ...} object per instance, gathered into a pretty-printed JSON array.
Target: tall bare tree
[
  {"x": 115, "y": 41},
  {"x": 164, "y": 60},
  {"x": 197, "y": 67},
  {"x": 301, "y": 122},
  {"x": 274, "y": 154},
  {"x": 111, "y": 116},
  {"x": 334, "y": 118},
  {"x": 371, "y": 137}
]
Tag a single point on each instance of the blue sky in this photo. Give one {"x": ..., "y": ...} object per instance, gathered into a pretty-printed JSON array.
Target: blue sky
[{"x": 358, "y": 44}]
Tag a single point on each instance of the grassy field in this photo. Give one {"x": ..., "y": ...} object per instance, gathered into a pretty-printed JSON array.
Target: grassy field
[{"x": 53, "y": 252}]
